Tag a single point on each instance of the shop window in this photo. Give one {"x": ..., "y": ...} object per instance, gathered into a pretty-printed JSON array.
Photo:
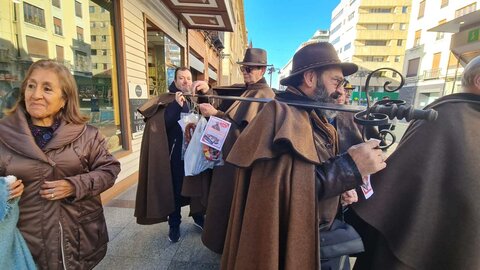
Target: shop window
[
  {"x": 33, "y": 15},
  {"x": 164, "y": 56},
  {"x": 57, "y": 25},
  {"x": 78, "y": 9},
  {"x": 95, "y": 75},
  {"x": 56, "y": 3}
]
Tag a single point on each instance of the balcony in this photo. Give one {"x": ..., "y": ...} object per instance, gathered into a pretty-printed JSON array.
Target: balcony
[
  {"x": 383, "y": 18},
  {"x": 381, "y": 34},
  {"x": 432, "y": 74},
  {"x": 381, "y": 3},
  {"x": 378, "y": 50}
]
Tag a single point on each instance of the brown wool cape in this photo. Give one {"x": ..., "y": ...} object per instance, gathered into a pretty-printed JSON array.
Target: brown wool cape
[
  {"x": 425, "y": 203},
  {"x": 273, "y": 220},
  {"x": 155, "y": 198},
  {"x": 220, "y": 195}
]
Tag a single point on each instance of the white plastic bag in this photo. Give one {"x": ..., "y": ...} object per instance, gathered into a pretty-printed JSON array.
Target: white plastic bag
[
  {"x": 195, "y": 160},
  {"x": 188, "y": 122}
]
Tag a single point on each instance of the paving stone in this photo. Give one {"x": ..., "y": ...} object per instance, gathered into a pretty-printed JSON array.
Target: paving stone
[{"x": 131, "y": 263}]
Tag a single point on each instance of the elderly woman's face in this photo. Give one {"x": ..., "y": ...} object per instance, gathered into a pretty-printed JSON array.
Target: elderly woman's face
[{"x": 43, "y": 97}]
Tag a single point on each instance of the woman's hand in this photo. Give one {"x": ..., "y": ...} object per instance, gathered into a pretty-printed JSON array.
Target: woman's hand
[
  {"x": 179, "y": 98},
  {"x": 56, "y": 190},
  {"x": 207, "y": 109},
  {"x": 16, "y": 189}
]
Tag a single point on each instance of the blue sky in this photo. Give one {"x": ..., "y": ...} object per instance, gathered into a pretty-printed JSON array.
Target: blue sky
[{"x": 280, "y": 26}]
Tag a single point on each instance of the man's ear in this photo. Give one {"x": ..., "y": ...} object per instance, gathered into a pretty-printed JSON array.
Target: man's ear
[
  {"x": 309, "y": 78},
  {"x": 476, "y": 81},
  {"x": 263, "y": 69}
]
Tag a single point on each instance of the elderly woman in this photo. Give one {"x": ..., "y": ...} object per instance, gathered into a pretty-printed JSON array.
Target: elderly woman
[{"x": 64, "y": 165}]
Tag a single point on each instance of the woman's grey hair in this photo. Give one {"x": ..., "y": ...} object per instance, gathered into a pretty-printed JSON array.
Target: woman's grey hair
[{"x": 470, "y": 72}]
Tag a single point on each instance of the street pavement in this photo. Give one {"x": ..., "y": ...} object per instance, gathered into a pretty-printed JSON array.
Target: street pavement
[{"x": 134, "y": 246}]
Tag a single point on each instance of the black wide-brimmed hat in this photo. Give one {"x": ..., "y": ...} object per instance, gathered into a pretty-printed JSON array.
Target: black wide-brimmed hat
[
  {"x": 254, "y": 57},
  {"x": 317, "y": 55}
]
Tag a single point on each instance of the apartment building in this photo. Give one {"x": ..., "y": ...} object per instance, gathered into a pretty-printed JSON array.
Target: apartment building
[
  {"x": 442, "y": 37},
  {"x": 371, "y": 34}
]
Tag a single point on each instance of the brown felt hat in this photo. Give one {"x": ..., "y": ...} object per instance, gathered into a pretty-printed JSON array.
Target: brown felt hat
[
  {"x": 254, "y": 57},
  {"x": 314, "y": 56}
]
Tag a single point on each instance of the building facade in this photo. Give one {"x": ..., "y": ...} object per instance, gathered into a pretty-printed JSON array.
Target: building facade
[
  {"x": 120, "y": 53},
  {"x": 371, "y": 34},
  {"x": 443, "y": 36},
  {"x": 235, "y": 46}
]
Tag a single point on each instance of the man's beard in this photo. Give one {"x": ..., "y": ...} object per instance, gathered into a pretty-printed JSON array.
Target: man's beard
[{"x": 320, "y": 94}]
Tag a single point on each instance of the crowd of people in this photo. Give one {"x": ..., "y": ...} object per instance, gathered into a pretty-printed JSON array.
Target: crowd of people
[{"x": 295, "y": 181}]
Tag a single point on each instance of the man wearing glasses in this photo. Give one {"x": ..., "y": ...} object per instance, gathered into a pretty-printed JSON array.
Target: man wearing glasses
[
  {"x": 292, "y": 172},
  {"x": 240, "y": 114}
]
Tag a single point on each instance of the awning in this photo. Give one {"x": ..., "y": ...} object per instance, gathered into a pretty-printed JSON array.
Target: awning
[
  {"x": 203, "y": 14},
  {"x": 454, "y": 25},
  {"x": 195, "y": 63},
  {"x": 212, "y": 74}
]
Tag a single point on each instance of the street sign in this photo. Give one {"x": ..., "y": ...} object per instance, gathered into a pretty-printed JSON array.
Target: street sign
[{"x": 473, "y": 35}]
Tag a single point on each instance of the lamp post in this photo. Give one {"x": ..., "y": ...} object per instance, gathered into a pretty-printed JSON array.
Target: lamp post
[{"x": 271, "y": 70}]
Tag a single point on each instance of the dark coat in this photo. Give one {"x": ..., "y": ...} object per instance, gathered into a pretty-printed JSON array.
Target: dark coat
[
  {"x": 76, "y": 226},
  {"x": 425, "y": 204},
  {"x": 224, "y": 177}
]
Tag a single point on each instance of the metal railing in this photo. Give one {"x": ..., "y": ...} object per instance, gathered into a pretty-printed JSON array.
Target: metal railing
[{"x": 431, "y": 74}]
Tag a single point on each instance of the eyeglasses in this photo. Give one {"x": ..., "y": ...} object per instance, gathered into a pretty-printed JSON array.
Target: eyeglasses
[
  {"x": 340, "y": 82},
  {"x": 248, "y": 69}
]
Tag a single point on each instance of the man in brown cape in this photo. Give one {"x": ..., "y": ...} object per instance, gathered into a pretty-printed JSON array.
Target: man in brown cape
[
  {"x": 161, "y": 169},
  {"x": 291, "y": 174},
  {"x": 425, "y": 211},
  {"x": 240, "y": 114}
]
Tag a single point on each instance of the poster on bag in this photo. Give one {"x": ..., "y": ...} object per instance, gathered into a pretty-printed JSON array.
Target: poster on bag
[{"x": 215, "y": 132}]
